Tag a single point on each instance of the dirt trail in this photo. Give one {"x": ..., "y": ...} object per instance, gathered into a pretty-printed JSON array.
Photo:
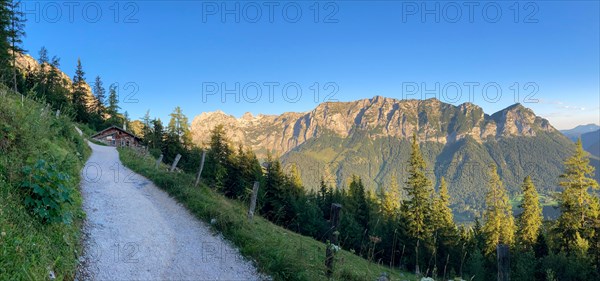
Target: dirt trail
[{"x": 135, "y": 231}]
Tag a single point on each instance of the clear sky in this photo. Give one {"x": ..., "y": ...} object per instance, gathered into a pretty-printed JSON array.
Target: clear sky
[{"x": 198, "y": 55}]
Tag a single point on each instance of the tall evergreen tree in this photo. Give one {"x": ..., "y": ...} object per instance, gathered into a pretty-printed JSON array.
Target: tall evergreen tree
[
  {"x": 5, "y": 59},
  {"x": 499, "y": 226},
  {"x": 418, "y": 205},
  {"x": 157, "y": 134},
  {"x": 16, "y": 32},
  {"x": 113, "y": 106},
  {"x": 576, "y": 204},
  {"x": 180, "y": 128},
  {"x": 443, "y": 213},
  {"x": 79, "y": 98},
  {"x": 277, "y": 195},
  {"x": 100, "y": 94},
  {"x": 295, "y": 178},
  {"x": 417, "y": 208},
  {"x": 529, "y": 221},
  {"x": 390, "y": 200},
  {"x": 218, "y": 157}
]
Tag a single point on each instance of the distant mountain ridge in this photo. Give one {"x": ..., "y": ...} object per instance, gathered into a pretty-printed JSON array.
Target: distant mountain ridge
[
  {"x": 431, "y": 119},
  {"x": 591, "y": 142},
  {"x": 370, "y": 138},
  {"x": 576, "y": 132}
]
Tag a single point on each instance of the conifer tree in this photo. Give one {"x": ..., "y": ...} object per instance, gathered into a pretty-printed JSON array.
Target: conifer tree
[
  {"x": 113, "y": 105},
  {"x": 358, "y": 202},
  {"x": 15, "y": 33},
  {"x": 100, "y": 94},
  {"x": 179, "y": 127},
  {"x": 576, "y": 204},
  {"x": 5, "y": 59},
  {"x": 499, "y": 226},
  {"x": 217, "y": 157},
  {"x": 442, "y": 211},
  {"x": 79, "y": 94},
  {"x": 157, "y": 136},
  {"x": 418, "y": 205},
  {"x": 43, "y": 56},
  {"x": 529, "y": 221},
  {"x": 295, "y": 176},
  {"x": 277, "y": 196},
  {"x": 390, "y": 200}
]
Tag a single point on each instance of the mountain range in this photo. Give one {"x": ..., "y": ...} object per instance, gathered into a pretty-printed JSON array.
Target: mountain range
[
  {"x": 371, "y": 138},
  {"x": 590, "y": 137}
]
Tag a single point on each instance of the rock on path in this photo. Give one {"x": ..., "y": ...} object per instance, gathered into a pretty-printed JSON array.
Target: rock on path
[{"x": 135, "y": 231}]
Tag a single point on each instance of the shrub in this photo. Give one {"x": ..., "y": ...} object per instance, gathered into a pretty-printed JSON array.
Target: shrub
[{"x": 47, "y": 192}]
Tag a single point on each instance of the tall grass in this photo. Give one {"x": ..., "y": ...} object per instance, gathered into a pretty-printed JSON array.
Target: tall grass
[
  {"x": 30, "y": 249},
  {"x": 281, "y": 253}
]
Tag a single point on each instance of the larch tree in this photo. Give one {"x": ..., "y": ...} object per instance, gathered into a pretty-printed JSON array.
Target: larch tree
[
  {"x": 179, "y": 127},
  {"x": 578, "y": 209},
  {"x": 390, "y": 200},
  {"x": 499, "y": 225},
  {"x": 529, "y": 221}
]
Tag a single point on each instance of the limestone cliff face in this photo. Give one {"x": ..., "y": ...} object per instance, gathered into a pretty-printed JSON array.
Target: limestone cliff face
[
  {"x": 432, "y": 120},
  {"x": 28, "y": 64}
]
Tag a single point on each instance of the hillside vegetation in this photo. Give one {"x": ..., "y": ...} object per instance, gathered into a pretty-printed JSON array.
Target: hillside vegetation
[
  {"x": 281, "y": 253},
  {"x": 32, "y": 246}
]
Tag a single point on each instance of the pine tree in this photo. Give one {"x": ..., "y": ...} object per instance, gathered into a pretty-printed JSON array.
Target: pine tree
[
  {"x": 295, "y": 177},
  {"x": 217, "y": 157},
  {"x": 442, "y": 211},
  {"x": 418, "y": 205},
  {"x": 277, "y": 196},
  {"x": 179, "y": 127},
  {"x": 390, "y": 200},
  {"x": 5, "y": 59},
  {"x": 529, "y": 221},
  {"x": 79, "y": 94},
  {"x": 16, "y": 32},
  {"x": 417, "y": 210},
  {"x": 499, "y": 226},
  {"x": 113, "y": 106},
  {"x": 147, "y": 128},
  {"x": 576, "y": 204},
  {"x": 358, "y": 202},
  {"x": 157, "y": 134},
  {"x": 100, "y": 94},
  {"x": 43, "y": 56}
]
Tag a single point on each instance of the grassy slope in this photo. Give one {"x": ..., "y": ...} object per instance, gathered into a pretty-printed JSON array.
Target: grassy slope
[
  {"x": 28, "y": 248},
  {"x": 278, "y": 252}
]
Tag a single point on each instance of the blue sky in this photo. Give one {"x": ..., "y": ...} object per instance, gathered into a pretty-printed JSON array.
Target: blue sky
[{"x": 197, "y": 55}]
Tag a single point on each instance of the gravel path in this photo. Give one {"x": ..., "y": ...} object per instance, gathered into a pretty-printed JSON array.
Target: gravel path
[{"x": 135, "y": 231}]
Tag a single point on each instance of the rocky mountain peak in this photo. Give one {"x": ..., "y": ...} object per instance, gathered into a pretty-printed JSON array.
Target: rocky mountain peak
[{"x": 377, "y": 117}]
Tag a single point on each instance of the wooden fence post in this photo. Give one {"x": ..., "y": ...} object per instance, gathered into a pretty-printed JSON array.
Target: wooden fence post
[
  {"x": 253, "y": 201},
  {"x": 503, "y": 262},
  {"x": 333, "y": 237},
  {"x": 160, "y": 158},
  {"x": 201, "y": 167},
  {"x": 177, "y": 158}
]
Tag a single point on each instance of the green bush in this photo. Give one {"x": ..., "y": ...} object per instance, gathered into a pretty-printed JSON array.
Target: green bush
[{"x": 47, "y": 192}]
